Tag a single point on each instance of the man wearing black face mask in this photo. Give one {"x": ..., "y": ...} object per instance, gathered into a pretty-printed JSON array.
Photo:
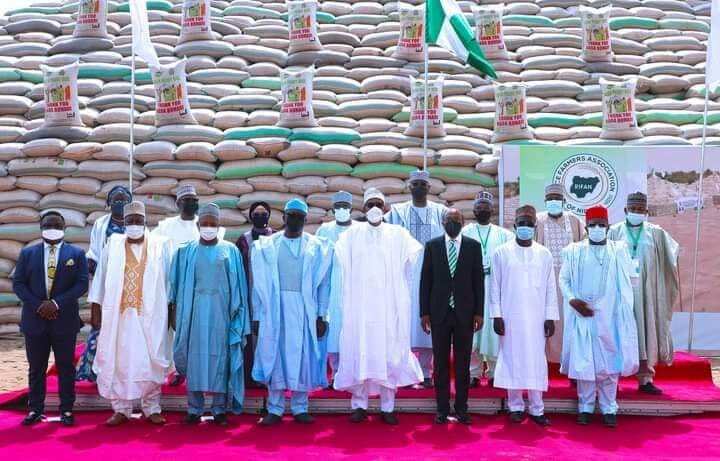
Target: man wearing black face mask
[
  {"x": 423, "y": 219},
  {"x": 452, "y": 294},
  {"x": 259, "y": 216},
  {"x": 490, "y": 236},
  {"x": 291, "y": 287}
]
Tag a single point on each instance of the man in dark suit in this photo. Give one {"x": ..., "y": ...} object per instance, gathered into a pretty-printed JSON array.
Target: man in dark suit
[
  {"x": 451, "y": 306},
  {"x": 49, "y": 278}
]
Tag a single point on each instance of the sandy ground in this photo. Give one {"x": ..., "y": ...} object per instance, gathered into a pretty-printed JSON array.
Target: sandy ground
[{"x": 13, "y": 364}]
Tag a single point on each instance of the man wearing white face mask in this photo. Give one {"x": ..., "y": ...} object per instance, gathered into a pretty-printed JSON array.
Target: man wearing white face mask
[
  {"x": 375, "y": 357},
  {"x": 655, "y": 282},
  {"x": 556, "y": 230},
  {"x": 342, "y": 206},
  {"x": 129, "y": 297},
  {"x": 600, "y": 334},
  {"x": 524, "y": 308},
  {"x": 209, "y": 294}
]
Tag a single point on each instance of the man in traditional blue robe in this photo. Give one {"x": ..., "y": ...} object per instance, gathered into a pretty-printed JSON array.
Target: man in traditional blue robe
[
  {"x": 291, "y": 289},
  {"x": 208, "y": 291}
]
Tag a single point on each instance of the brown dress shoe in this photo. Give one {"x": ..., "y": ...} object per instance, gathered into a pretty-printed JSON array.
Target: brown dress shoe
[
  {"x": 157, "y": 418},
  {"x": 116, "y": 420}
]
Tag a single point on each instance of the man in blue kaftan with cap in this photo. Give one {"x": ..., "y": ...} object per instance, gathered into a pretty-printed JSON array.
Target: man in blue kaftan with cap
[
  {"x": 207, "y": 285},
  {"x": 291, "y": 289}
]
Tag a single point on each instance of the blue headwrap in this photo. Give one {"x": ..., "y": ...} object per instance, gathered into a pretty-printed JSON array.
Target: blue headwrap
[
  {"x": 116, "y": 189},
  {"x": 297, "y": 205}
]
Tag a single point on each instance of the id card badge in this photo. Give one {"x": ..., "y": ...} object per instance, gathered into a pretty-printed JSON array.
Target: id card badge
[{"x": 635, "y": 272}]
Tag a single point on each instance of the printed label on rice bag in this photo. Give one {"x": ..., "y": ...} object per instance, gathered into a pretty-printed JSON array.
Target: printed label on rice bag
[
  {"x": 597, "y": 32},
  {"x": 89, "y": 14},
  {"x": 489, "y": 30},
  {"x": 171, "y": 95},
  {"x": 60, "y": 94},
  {"x": 618, "y": 107},
  {"x": 295, "y": 97},
  {"x": 433, "y": 109},
  {"x": 195, "y": 15},
  {"x": 412, "y": 29},
  {"x": 301, "y": 16},
  {"x": 510, "y": 113}
]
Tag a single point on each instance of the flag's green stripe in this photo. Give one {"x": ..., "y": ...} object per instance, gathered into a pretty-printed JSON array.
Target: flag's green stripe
[
  {"x": 434, "y": 19},
  {"x": 476, "y": 57}
]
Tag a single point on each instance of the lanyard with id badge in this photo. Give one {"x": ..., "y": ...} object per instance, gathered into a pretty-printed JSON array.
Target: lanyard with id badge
[
  {"x": 484, "y": 246},
  {"x": 634, "y": 237}
]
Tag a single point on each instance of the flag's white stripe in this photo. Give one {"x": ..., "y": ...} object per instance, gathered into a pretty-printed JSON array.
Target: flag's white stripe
[
  {"x": 141, "y": 44},
  {"x": 449, "y": 40},
  {"x": 712, "y": 63}
]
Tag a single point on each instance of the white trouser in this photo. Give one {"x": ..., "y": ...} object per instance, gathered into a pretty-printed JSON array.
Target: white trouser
[
  {"x": 425, "y": 357},
  {"x": 477, "y": 368},
  {"x": 334, "y": 361},
  {"x": 517, "y": 403},
  {"x": 360, "y": 399},
  {"x": 605, "y": 389},
  {"x": 150, "y": 403}
]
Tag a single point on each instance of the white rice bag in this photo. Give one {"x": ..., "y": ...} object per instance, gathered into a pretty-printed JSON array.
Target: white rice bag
[
  {"x": 419, "y": 111},
  {"x": 411, "y": 42},
  {"x": 91, "y": 19},
  {"x": 172, "y": 106},
  {"x": 297, "y": 96},
  {"x": 61, "y": 96},
  {"x": 619, "y": 119},
  {"x": 596, "y": 34},
  {"x": 489, "y": 30},
  {"x": 511, "y": 120},
  {"x": 195, "y": 21},
  {"x": 302, "y": 26}
]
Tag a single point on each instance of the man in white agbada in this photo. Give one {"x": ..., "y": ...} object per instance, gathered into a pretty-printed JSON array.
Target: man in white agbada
[
  {"x": 523, "y": 306},
  {"x": 180, "y": 230},
  {"x": 600, "y": 341},
  {"x": 555, "y": 230},
  {"x": 376, "y": 260},
  {"x": 342, "y": 206},
  {"x": 133, "y": 352},
  {"x": 656, "y": 285},
  {"x": 485, "y": 342},
  {"x": 423, "y": 219}
]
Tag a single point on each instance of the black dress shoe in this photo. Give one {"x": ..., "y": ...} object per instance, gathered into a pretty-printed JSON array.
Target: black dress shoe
[
  {"x": 67, "y": 418},
  {"x": 191, "y": 419},
  {"x": 464, "y": 418},
  {"x": 517, "y": 416},
  {"x": 441, "y": 418},
  {"x": 389, "y": 418},
  {"x": 491, "y": 382},
  {"x": 427, "y": 383},
  {"x": 303, "y": 418},
  {"x": 177, "y": 380},
  {"x": 541, "y": 420},
  {"x": 610, "y": 420},
  {"x": 650, "y": 388},
  {"x": 358, "y": 415},
  {"x": 220, "y": 419},
  {"x": 33, "y": 417},
  {"x": 475, "y": 383},
  {"x": 584, "y": 418},
  {"x": 270, "y": 420}
]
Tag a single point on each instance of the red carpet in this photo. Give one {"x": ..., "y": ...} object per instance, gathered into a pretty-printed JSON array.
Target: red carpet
[{"x": 333, "y": 437}]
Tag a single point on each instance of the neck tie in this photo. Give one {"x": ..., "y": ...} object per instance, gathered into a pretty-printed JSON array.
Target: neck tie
[
  {"x": 452, "y": 262},
  {"x": 51, "y": 267}
]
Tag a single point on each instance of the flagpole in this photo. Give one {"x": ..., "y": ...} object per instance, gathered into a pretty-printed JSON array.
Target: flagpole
[
  {"x": 426, "y": 58},
  {"x": 132, "y": 119}
]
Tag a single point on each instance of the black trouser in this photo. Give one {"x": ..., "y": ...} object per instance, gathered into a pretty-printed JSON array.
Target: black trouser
[
  {"x": 37, "y": 348},
  {"x": 249, "y": 359},
  {"x": 449, "y": 333}
]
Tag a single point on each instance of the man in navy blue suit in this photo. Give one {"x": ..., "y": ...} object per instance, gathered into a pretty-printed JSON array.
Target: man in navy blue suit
[{"x": 49, "y": 278}]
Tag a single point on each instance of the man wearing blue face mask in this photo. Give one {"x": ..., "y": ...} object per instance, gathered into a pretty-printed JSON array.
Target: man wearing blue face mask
[
  {"x": 600, "y": 341},
  {"x": 342, "y": 206},
  {"x": 556, "y": 230},
  {"x": 523, "y": 305},
  {"x": 655, "y": 283}
]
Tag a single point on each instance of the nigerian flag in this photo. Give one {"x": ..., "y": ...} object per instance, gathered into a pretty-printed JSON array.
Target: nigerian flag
[{"x": 447, "y": 27}]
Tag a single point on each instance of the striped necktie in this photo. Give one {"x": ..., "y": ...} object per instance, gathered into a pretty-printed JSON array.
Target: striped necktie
[
  {"x": 452, "y": 261},
  {"x": 51, "y": 268}
]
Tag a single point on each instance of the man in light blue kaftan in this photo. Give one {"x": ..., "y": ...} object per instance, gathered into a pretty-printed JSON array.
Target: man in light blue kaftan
[
  {"x": 601, "y": 340},
  {"x": 342, "y": 206},
  {"x": 423, "y": 219},
  {"x": 291, "y": 290},
  {"x": 209, "y": 293}
]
